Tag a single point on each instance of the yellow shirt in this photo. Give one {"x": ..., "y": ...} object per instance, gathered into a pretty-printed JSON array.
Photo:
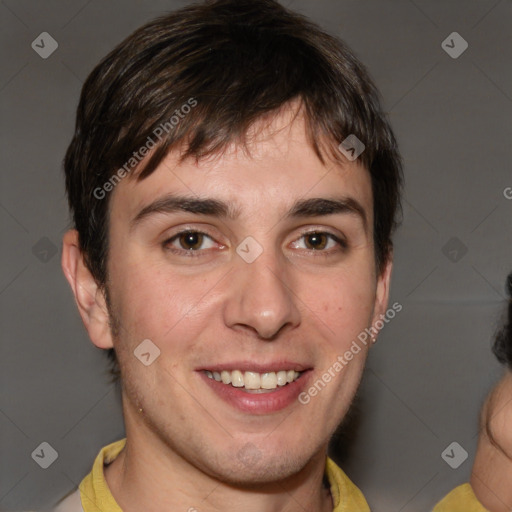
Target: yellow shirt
[
  {"x": 96, "y": 497},
  {"x": 461, "y": 499}
]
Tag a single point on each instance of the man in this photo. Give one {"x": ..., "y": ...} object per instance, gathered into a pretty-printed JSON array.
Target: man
[{"x": 234, "y": 186}]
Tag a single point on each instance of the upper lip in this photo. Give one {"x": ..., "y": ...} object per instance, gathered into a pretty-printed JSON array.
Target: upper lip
[{"x": 253, "y": 366}]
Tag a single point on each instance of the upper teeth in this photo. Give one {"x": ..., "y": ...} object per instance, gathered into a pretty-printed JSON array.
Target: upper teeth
[{"x": 254, "y": 380}]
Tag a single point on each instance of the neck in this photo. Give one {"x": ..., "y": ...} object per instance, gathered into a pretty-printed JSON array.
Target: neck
[{"x": 149, "y": 475}]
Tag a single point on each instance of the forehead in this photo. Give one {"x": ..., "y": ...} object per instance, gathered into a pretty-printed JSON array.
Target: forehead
[{"x": 274, "y": 167}]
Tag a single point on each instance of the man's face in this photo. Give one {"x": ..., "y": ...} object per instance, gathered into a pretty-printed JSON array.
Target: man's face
[{"x": 208, "y": 308}]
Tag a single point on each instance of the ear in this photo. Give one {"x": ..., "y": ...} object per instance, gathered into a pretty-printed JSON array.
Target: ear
[
  {"x": 88, "y": 295},
  {"x": 382, "y": 291}
]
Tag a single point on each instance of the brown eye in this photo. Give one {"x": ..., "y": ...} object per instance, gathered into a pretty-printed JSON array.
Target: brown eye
[
  {"x": 189, "y": 243},
  {"x": 316, "y": 241},
  {"x": 321, "y": 242},
  {"x": 191, "y": 240}
]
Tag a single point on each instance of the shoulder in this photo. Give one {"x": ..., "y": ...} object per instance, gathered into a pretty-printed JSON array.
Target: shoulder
[
  {"x": 345, "y": 495},
  {"x": 461, "y": 499},
  {"x": 70, "y": 503}
]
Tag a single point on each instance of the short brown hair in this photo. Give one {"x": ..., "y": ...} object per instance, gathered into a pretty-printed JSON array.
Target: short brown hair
[
  {"x": 502, "y": 347},
  {"x": 239, "y": 60}
]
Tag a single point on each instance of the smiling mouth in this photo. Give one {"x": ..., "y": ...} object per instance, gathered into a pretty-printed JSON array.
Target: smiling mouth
[{"x": 254, "y": 382}]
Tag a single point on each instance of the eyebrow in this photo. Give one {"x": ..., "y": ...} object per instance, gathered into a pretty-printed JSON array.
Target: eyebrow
[{"x": 304, "y": 208}]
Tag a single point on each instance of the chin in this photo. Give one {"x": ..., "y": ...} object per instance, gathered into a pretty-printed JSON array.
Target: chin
[{"x": 250, "y": 468}]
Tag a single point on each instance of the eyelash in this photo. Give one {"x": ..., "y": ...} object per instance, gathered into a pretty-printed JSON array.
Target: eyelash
[{"x": 200, "y": 252}]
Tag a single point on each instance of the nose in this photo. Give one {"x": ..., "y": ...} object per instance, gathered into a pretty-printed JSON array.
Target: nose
[{"x": 261, "y": 298}]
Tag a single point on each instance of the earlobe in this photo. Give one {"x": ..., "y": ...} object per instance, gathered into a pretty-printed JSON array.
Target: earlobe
[
  {"x": 89, "y": 298},
  {"x": 382, "y": 291}
]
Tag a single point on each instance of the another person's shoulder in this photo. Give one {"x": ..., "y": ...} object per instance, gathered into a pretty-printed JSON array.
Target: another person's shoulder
[
  {"x": 461, "y": 499},
  {"x": 492, "y": 469}
]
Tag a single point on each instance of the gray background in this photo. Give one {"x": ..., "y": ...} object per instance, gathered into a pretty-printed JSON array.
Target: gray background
[{"x": 432, "y": 366}]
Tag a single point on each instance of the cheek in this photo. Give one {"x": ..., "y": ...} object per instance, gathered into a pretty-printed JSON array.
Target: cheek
[
  {"x": 160, "y": 305},
  {"x": 347, "y": 305}
]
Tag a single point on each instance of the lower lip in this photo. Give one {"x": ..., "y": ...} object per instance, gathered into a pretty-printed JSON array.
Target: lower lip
[{"x": 259, "y": 403}]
